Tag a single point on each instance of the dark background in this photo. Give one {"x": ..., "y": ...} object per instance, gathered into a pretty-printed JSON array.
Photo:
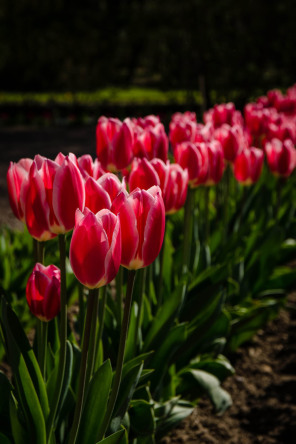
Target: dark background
[{"x": 245, "y": 47}]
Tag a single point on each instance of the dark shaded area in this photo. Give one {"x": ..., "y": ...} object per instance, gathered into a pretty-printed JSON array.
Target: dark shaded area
[{"x": 221, "y": 45}]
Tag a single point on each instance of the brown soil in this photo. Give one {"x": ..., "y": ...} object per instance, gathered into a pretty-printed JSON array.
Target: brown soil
[
  {"x": 263, "y": 391},
  {"x": 264, "y": 386}
]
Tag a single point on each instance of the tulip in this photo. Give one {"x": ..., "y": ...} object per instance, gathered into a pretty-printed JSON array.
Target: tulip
[
  {"x": 151, "y": 142},
  {"x": 95, "y": 249},
  {"x": 38, "y": 196},
  {"x": 171, "y": 178},
  {"x": 281, "y": 157},
  {"x": 216, "y": 163},
  {"x": 224, "y": 113},
  {"x": 231, "y": 139},
  {"x": 43, "y": 291},
  {"x": 114, "y": 143},
  {"x": 148, "y": 121},
  {"x": 142, "y": 219},
  {"x": 142, "y": 175},
  {"x": 17, "y": 177},
  {"x": 96, "y": 198},
  {"x": 248, "y": 165},
  {"x": 173, "y": 183},
  {"x": 88, "y": 167},
  {"x": 183, "y": 128},
  {"x": 68, "y": 194},
  {"x": 194, "y": 158},
  {"x": 111, "y": 184}
]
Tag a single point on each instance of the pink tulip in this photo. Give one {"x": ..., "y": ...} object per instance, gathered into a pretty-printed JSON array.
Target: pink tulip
[
  {"x": 248, "y": 165},
  {"x": 68, "y": 194},
  {"x": 17, "y": 177},
  {"x": 43, "y": 291},
  {"x": 281, "y": 157},
  {"x": 183, "y": 128},
  {"x": 37, "y": 198},
  {"x": 88, "y": 167},
  {"x": 111, "y": 184},
  {"x": 142, "y": 175},
  {"x": 194, "y": 158},
  {"x": 96, "y": 198},
  {"x": 95, "y": 249},
  {"x": 231, "y": 139},
  {"x": 224, "y": 113},
  {"x": 151, "y": 142},
  {"x": 173, "y": 183},
  {"x": 114, "y": 143},
  {"x": 216, "y": 163},
  {"x": 142, "y": 219}
]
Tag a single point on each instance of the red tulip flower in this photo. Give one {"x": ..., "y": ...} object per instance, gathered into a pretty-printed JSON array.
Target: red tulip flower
[
  {"x": 231, "y": 139},
  {"x": 17, "y": 178},
  {"x": 142, "y": 219},
  {"x": 183, "y": 128},
  {"x": 95, "y": 249},
  {"x": 43, "y": 291},
  {"x": 88, "y": 167},
  {"x": 216, "y": 163},
  {"x": 171, "y": 178},
  {"x": 173, "y": 183},
  {"x": 248, "y": 165},
  {"x": 151, "y": 142},
  {"x": 115, "y": 141},
  {"x": 194, "y": 158},
  {"x": 281, "y": 157}
]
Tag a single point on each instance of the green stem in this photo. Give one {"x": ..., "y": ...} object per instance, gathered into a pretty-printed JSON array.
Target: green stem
[
  {"x": 93, "y": 336},
  {"x": 63, "y": 339},
  {"x": 207, "y": 221},
  {"x": 101, "y": 318},
  {"x": 120, "y": 357},
  {"x": 226, "y": 201},
  {"x": 140, "y": 308},
  {"x": 118, "y": 281},
  {"x": 187, "y": 230},
  {"x": 81, "y": 308},
  {"x": 91, "y": 306}
]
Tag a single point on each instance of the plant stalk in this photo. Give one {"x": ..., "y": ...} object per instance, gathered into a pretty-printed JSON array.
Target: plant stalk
[{"x": 121, "y": 350}]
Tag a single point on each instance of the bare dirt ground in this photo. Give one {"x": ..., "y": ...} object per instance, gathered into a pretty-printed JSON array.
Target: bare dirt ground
[{"x": 264, "y": 386}]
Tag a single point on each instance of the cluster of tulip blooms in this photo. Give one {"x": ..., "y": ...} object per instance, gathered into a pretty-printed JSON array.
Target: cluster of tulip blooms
[{"x": 116, "y": 204}]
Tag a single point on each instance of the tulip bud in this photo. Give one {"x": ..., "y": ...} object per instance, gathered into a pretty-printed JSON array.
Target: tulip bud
[
  {"x": 114, "y": 143},
  {"x": 43, "y": 291},
  {"x": 194, "y": 158},
  {"x": 68, "y": 194},
  {"x": 281, "y": 157},
  {"x": 216, "y": 163},
  {"x": 231, "y": 139},
  {"x": 142, "y": 220},
  {"x": 95, "y": 249},
  {"x": 248, "y": 165},
  {"x": 17, "y": 176}
]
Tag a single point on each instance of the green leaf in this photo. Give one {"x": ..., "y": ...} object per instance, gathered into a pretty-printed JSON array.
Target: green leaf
[
  {"x": 219, "y": 367},
  {"x": 115, "y": 438},
  {"x": 198, "y": 382},
  {"x": 52, "y": 380},
  {"x": 19, "y": 433},
  {"x": 17, "y": 344},
  {"x": 142, "y": 417},
  {"x": 174, "y": 414},
  {"x": 4, "y": 439},
  {"x": 161, "y": 359},
  {"x": 164, "y": 317},
  {"x": 95, "y": 404},
  {"x": 30, "y": 386},
  {"x": 5, "y": 389},
  {"x": 130, "y": 341},
  {"x": 127, "y": 387}
]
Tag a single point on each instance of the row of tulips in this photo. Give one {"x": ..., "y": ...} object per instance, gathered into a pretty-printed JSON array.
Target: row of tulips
[{"x": 205, "y": 249}]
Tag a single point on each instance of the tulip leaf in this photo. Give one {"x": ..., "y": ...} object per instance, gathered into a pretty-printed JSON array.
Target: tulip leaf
[
  {"x": 127, "y": 387},
  {"x": 19, "y": 433},
  {"x": 95, "y": 404},
  {"x": 219, "y": 367},
  {"x": 142, "y": 419},
  {"x": 115, "y": 438},
  {"x": 30, "y": 386},
  {"x": 197, "y": 382},
  {"x": 4, "y": 439},
  {"x": 164, "y": 316},
  {"x": 173, "y": 412},
  {"x": 160, "y": 361},
  {"x": 130, "y": 346},
  {"x": 52, "y": 380},
  {"x": 5, "y": 389}
]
